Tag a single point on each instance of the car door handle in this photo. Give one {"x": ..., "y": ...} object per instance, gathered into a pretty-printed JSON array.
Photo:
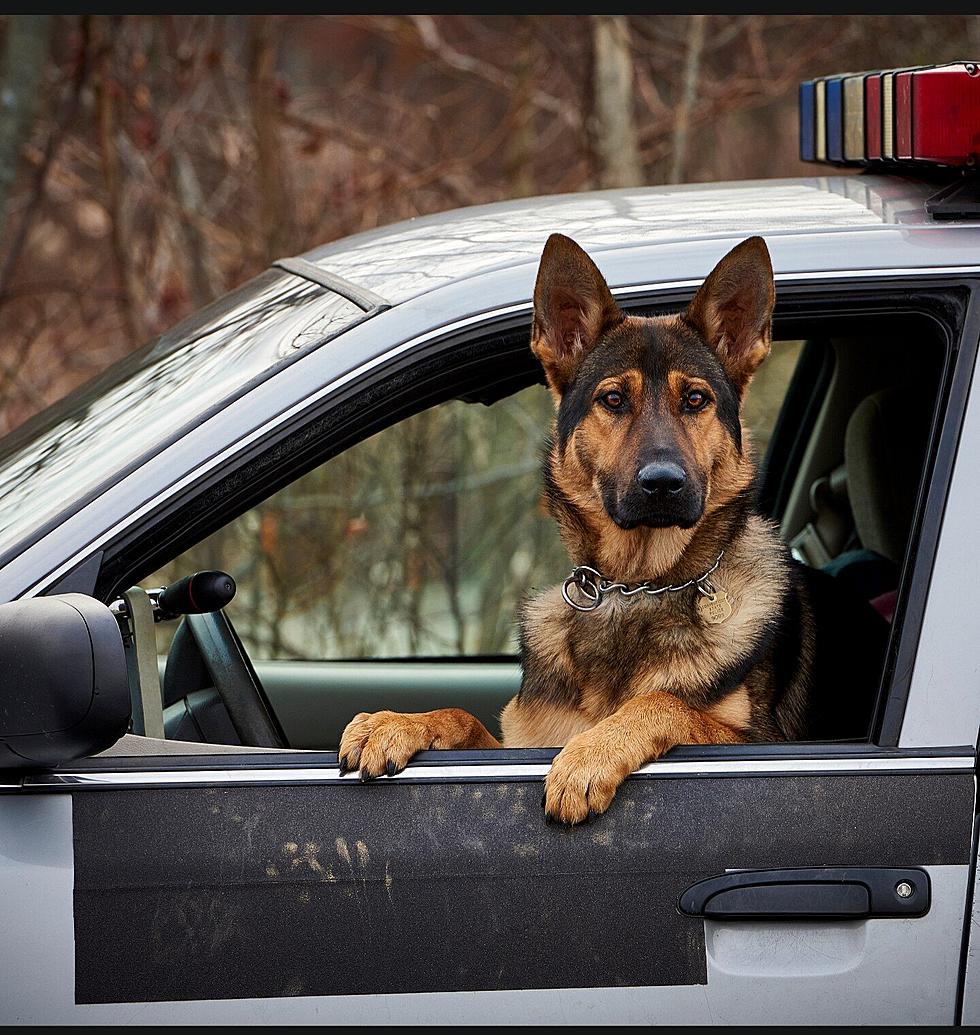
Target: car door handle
[{"x": 815, "y": 893}]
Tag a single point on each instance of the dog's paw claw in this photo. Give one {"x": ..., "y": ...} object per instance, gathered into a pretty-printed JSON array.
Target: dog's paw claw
[
  {"x": 582, "y": 781},
  {"x": 381, "y": 743}
]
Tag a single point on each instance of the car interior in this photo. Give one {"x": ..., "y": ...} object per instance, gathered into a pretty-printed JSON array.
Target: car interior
[{"x": 842, "y": 416}]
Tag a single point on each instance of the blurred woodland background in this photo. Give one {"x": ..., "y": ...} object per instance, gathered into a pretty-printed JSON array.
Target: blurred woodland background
[{"x": 149, "y": 163}]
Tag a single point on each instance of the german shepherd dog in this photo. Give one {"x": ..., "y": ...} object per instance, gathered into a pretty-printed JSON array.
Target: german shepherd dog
[{"x": 685, "y": 620}]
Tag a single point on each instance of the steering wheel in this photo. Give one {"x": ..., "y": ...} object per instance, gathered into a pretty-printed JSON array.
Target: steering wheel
[
  {"x": 235, "y": 679},
  {"x": 199, "y": 598}
]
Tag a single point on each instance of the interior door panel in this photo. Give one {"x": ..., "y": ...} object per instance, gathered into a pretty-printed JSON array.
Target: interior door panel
[{"x": 314, "y": 700}]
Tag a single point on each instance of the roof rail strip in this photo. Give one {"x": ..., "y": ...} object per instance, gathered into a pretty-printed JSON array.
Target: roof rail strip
[{"x": 361, "y": 297}]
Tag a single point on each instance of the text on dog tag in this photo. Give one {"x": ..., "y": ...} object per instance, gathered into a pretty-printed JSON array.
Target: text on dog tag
[{"x": 715, "y": 608}]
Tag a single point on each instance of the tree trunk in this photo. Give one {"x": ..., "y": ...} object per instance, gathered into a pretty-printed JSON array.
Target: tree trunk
[
  {"x": 682, "y": 119},
  {"x": 188, "y": 190},
  {"x": 107, "y": 92},
  {"x": 613, "y": 124},
  {"x": 64, "y": 117},
  {"x": 264, "y": 105},
  {"x": 25, "y": 58},
  {"x": 520, "y": 141}
]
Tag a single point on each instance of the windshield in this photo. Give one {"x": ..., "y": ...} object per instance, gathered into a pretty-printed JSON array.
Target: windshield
[{"x": 68, "y": 453}]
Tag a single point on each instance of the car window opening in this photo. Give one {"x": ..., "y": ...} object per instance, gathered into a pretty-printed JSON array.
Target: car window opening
[{"x": 389, "y": 576}]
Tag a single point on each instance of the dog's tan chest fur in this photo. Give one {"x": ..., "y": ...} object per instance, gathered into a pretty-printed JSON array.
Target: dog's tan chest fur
[{"x": 628, "y": 647}]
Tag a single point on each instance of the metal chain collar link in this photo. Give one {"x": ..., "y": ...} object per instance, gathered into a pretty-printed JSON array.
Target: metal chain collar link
[{"x": 594, "y": 586}]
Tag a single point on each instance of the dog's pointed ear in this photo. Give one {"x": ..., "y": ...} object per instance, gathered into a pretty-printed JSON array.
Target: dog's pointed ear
[
  {"x": 572, "y": 308},
  {"x": 733, "y": 310}
]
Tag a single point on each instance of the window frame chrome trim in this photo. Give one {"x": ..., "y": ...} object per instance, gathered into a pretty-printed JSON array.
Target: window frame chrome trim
[{"x": 484, "y": 772}]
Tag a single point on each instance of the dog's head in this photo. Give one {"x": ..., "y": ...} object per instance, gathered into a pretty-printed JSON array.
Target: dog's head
[{"x": 648, "y": 409}]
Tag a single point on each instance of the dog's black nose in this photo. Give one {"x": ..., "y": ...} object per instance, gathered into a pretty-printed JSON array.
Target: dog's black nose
[{"x": 661, "y": 478}]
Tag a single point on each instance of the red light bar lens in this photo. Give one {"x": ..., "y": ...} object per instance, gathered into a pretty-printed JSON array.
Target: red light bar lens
[
  {"x": 944, "y": 114},
  {"x": 903, "y": 116},
  {"x": 872, "y": 117}
]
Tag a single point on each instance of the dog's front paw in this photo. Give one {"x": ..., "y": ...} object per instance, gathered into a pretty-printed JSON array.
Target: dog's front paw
[
  {"x": 381, "y": 742},
  {"x": 584, "y": 777}
]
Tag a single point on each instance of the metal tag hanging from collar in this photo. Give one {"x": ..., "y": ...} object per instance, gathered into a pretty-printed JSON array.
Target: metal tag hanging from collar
[
  {"x": 714, "y": 604},
  {"x": 592, "y": 587}
]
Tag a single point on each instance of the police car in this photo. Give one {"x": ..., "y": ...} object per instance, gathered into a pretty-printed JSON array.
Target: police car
[{"x": 176, "y": 841}]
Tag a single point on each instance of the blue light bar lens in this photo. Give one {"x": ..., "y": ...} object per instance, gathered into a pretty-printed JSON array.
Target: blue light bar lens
[
  {"x": 835, "y": 121},
  {"x": 808, "y": 150}
]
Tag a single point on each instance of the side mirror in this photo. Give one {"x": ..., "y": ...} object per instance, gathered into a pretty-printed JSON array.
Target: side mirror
[{"x": 64, "y": 689}]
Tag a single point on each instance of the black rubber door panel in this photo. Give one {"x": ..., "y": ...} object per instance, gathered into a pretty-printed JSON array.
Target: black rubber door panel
[{"x": 282, "y": 888}]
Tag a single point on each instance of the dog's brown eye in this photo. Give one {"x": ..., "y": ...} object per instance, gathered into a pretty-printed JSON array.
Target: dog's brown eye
[
  {"x": 612, "y": 400},
  {"x": 695, "y": 400}
]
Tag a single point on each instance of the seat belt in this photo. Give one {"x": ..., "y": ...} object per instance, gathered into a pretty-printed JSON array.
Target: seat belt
[
  {"x": 143, "y": 665},
  {"x": 825, "y": 536}
]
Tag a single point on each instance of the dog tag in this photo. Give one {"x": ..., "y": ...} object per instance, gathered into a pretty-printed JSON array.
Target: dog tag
[{"x": 715, "y": 608}]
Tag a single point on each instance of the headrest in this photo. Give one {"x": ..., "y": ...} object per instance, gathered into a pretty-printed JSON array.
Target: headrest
[{"x": 884, "y": 450}]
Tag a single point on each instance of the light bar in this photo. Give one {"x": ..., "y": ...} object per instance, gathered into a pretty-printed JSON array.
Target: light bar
[{"x": 924, "y": 115}]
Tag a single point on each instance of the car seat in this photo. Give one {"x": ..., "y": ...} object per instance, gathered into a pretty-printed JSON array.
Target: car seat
[{"x": 884, "y": 452}]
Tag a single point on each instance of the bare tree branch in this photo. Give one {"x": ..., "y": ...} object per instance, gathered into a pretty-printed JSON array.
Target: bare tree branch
[{"x": 432, "y": 40}]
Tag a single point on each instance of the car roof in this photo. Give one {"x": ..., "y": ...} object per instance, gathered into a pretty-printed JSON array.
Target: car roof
[{"x": 407, "y": 259}]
